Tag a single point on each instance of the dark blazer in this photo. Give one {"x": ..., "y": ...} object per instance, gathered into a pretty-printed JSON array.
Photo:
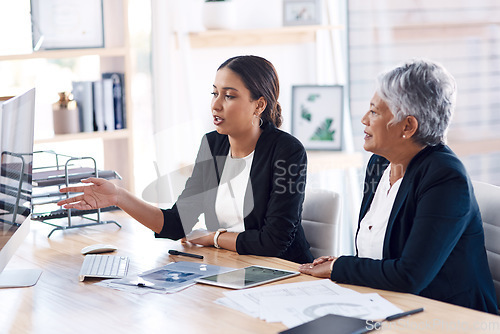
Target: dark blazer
[
  {"x": 273, "y": 200},
  {"x": 434, "y": 243}
]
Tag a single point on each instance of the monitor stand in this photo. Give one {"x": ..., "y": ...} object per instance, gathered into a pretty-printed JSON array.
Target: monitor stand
[{"x": 19, "y": 278}]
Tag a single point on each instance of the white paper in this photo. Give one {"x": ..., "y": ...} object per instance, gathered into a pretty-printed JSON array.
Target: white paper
[
  {"x": 249, "y": 299},
  {"x": 295, "y": 310},
  {"x": 296, "y": 303}
]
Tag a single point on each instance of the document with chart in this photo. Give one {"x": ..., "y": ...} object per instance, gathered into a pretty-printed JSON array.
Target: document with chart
[{"x": 296, "y": 303}]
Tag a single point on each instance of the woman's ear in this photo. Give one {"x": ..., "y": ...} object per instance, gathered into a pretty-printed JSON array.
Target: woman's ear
[
  {"x": 261, "y": 106},
  {"x": 410, "y": 126}
]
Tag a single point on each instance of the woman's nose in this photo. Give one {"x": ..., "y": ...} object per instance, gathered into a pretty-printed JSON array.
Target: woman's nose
[
  {"x": 364, "y": 119},
  {"x": 216, "y": 104}
]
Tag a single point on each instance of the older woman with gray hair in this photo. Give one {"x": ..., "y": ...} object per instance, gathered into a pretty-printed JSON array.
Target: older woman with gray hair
[{"x": 420, "y": 230}]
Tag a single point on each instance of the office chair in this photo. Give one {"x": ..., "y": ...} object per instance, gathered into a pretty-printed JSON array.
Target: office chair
[
  {"x": 320, "y": 220},
  {"x": 488, "y": 199}
]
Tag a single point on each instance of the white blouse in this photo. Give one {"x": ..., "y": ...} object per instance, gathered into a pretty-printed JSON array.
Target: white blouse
[
  {"x": 233, "y": 184},
  {"x": 371, "y": 234}
]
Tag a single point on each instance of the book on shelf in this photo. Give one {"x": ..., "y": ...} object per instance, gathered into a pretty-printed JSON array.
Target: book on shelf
[
  {"x": 108, "y": 104},
  {"x": 97, "y": 91},
  {"x": 118, "y": 80},
  {"x": 101, "y": 103},
  {"x": 83, "y": 95}
]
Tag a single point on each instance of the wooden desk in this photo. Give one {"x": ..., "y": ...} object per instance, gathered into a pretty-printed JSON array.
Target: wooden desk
[{"x": 59, "y": 303}]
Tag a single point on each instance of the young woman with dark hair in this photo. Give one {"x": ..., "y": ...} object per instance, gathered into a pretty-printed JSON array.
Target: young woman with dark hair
[{"x": 248, "y": 179}]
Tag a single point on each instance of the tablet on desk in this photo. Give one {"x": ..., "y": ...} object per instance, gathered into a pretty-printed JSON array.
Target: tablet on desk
[{"x": 247, "y": 277}]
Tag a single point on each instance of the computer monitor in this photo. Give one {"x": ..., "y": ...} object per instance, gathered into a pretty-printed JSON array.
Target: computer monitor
[{"x": 17, "y": 119}]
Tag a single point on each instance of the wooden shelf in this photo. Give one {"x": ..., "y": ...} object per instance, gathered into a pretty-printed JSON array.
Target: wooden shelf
[
  {"x": 104, "y": 135},
  {"x": 70, "y": 53},
  {"x": 115, "y": 57},
  {"x": 282, "y": 35}
]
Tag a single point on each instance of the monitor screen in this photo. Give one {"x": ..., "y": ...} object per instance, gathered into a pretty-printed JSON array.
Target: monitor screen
[{"x": 16, "y": 146}]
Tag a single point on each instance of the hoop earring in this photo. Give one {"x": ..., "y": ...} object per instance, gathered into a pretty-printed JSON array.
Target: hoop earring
[{"x": 260, "y": 121}]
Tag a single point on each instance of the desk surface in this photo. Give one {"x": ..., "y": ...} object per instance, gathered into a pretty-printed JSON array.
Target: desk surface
[{"x": 59, "y": 303}]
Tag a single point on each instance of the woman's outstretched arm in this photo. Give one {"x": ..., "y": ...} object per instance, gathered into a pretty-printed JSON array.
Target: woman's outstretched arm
[{"x": 102, "y": 193}]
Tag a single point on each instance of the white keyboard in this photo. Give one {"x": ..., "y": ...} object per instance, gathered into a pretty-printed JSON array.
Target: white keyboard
[{"x": 105, "y": 266}]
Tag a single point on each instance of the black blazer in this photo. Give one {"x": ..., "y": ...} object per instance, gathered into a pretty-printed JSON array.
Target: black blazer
[
  {"x": 272, "y": 215},
  {"x": 434, "y": 243}
]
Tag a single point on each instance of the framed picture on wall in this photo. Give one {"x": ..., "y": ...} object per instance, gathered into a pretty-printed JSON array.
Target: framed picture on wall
[
  {"x": 301, "y": 12},
  {"x": 317, "y": 116},
  {"x": 68, "y": 24}
]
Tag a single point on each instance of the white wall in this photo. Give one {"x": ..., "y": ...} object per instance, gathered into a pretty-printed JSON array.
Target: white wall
[{"x": 184, "y": 76}]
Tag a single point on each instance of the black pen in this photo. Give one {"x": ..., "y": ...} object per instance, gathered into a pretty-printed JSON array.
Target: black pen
[
  {"x": 176, "y": 252},
  {"x": 403, "y": 314}
]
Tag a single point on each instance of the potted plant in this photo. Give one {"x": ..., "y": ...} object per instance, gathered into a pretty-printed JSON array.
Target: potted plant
[{"x": 219, "y": 14}]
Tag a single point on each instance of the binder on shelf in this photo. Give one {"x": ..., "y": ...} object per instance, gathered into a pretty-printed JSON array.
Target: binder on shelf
[
  {"x": 82, "y": 93},
  {"x": 118, "y": 97},
  {"x": 101, "y": 103},
  {"x": 98, "y": 92},
  {"x": 108, "y": 104}
]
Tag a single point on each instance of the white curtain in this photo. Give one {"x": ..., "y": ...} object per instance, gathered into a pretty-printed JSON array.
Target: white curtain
[{"x": 176, "y": 130}]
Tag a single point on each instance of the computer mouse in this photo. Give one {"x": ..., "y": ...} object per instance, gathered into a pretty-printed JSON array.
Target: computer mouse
[{"x": 98, "y": 248}]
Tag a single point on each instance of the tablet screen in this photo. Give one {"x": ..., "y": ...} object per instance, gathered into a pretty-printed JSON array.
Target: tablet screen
[{"x": 247, "y": 277}]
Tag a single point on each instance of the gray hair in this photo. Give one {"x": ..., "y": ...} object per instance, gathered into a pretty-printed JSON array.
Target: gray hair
[{"x": 422, "y": 89}]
